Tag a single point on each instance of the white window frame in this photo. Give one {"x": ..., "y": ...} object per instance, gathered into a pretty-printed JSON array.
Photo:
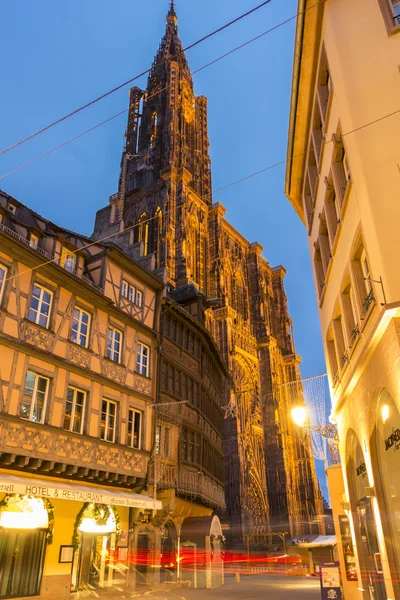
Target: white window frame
[
  {"x": 139, "y": 298},
  {"x": 107, "y": 423},
  {"x": 43, "y": 290},
  {"x": 139, "y": 359},
  {"x": 71, "y": 425},
  {"x": 132, "y": 293},
  {"x": 12, "y": 208},
  {"x": 34, "y": 395},
  {"x": 134, "y": 411},
  {"x": 78, "y": 332},
  {"x": 3, "y": 280},
  {"x": 111, "y": 336}
]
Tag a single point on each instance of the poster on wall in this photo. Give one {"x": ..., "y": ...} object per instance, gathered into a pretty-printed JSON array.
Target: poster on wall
[
  {"x": 330, "y": 581},
  {"x": 348, "y": 549}
]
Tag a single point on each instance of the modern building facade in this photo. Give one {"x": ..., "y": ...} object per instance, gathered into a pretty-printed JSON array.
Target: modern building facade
[
  {"x": 79, "y": 349},
  {"x": 163, "y": 215},
  {"x": 342, "y": 178}
]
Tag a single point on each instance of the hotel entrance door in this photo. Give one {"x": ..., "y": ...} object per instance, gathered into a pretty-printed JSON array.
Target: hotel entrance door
[{"x": 95, "y": 569}]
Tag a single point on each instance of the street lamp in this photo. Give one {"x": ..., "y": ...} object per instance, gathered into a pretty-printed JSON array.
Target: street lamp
[{"x": 326, "y": 430}]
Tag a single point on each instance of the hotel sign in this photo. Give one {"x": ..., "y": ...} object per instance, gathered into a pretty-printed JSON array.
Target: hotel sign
[{"x": 76, "y": 492}]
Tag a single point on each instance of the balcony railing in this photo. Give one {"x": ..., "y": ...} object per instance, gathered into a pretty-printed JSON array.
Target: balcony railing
[
  {"x": 24, "y": 240},
  {"x": 50, "y": 257}
]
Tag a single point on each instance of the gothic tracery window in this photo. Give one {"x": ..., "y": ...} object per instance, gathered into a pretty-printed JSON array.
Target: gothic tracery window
[
  {"x": 153, "y": 135},
  {"x": 157, "y": 234},
  {"x": 142, "y": 232}
]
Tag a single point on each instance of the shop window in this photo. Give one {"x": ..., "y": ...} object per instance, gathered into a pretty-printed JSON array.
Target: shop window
[
  {"x": 3, "y": 277},
  {"x": 142, "y": 359},
  {"x": 40, "y": 306},
  {"x": 108, "y": 420},
  {"x": 387, "y": 444},
  {"x": 34, "y": 400},
  {"x": 134, "y": 428},
  {"x": 114, "y": 345},
  {"x": 80, "y": 327},
  {"x": 23, "y": 529},
  {"x": 75, "y": 410}
]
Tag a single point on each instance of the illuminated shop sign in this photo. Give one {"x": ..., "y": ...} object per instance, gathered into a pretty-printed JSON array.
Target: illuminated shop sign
[{"x": 393, "y": 440}]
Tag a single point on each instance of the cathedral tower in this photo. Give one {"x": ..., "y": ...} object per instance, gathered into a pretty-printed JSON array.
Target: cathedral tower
[{"x": 165, "y": 217}]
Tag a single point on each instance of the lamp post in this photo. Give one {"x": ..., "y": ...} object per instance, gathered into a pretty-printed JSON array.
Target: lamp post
[{"x": 326, "y": 430}]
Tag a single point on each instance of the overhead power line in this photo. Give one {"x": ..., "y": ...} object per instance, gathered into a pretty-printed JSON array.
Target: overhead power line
[
  {"x": 221, "y": 57},
  {"x": 220, "y": 189},
  {"x": 129, "y": 81}
]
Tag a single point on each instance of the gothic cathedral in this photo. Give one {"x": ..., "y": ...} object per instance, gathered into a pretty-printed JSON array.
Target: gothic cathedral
[{"x": 167, "y": 220}]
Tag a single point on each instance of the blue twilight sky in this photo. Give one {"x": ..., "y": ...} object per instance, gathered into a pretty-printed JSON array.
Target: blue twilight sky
[{"x": 59, "y": 55}]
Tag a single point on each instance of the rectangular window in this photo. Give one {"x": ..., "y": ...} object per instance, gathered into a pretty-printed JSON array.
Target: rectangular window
[
  {"x": 34, "y": 400},
  {"x": 142, "y": 359},
  {"x": 80, "y": 327},
  {"x": 33, "y": 241},
  {"x": 39, "y": 309},
  {"x": 396, "y": 11},
  {"x": 108, "y": 420},
  {"x": 68, "y": 260},
  {"x": 163, "y": 437},
  {"x": 139, "y": 298},
  {"x": 3, "y": 277},
  {"x": 12, "y": 208},
  {"x": 134, "y": 428},
  {"x": 131, "y": 293},
  {"x": 114, "y": 344},
  {"x": 124, "y": 289},
  {"x": 75, "y": 410}
]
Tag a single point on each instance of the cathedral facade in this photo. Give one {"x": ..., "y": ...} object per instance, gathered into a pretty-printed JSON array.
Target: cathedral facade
[{"x": 163, "y": 215}]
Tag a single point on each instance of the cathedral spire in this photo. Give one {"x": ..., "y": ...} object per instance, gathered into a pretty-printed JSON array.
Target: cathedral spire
[{"x": 172, "y": 18}]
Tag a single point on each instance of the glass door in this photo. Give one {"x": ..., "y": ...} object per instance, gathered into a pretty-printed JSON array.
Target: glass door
[
  {"x": 95, "y": 562},
  {"x": 373, "y": 576}
]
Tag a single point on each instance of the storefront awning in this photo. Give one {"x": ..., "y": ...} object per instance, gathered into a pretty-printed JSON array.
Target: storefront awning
[{"x": 46, "y": 488}]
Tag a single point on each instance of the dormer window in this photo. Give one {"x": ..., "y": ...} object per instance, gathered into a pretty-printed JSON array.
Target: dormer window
[
  {"x": 12, "y": 208},
  {"x": 68, "y": 260},
  {"x": 33, "y": 241}
]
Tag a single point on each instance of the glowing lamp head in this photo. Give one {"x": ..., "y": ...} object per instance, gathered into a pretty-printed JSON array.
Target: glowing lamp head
[
  {"x": 385, "y": 413},
  {"x": 299, "y": 415}
]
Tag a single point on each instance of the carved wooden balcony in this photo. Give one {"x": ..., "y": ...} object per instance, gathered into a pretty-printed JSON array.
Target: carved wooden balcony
[
  {"x": 51, "y": 450},
  {"x": 191, "y": 484}
]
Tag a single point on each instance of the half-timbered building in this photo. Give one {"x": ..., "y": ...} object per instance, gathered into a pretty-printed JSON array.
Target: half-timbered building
[{"x": 78, "y": 370}]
